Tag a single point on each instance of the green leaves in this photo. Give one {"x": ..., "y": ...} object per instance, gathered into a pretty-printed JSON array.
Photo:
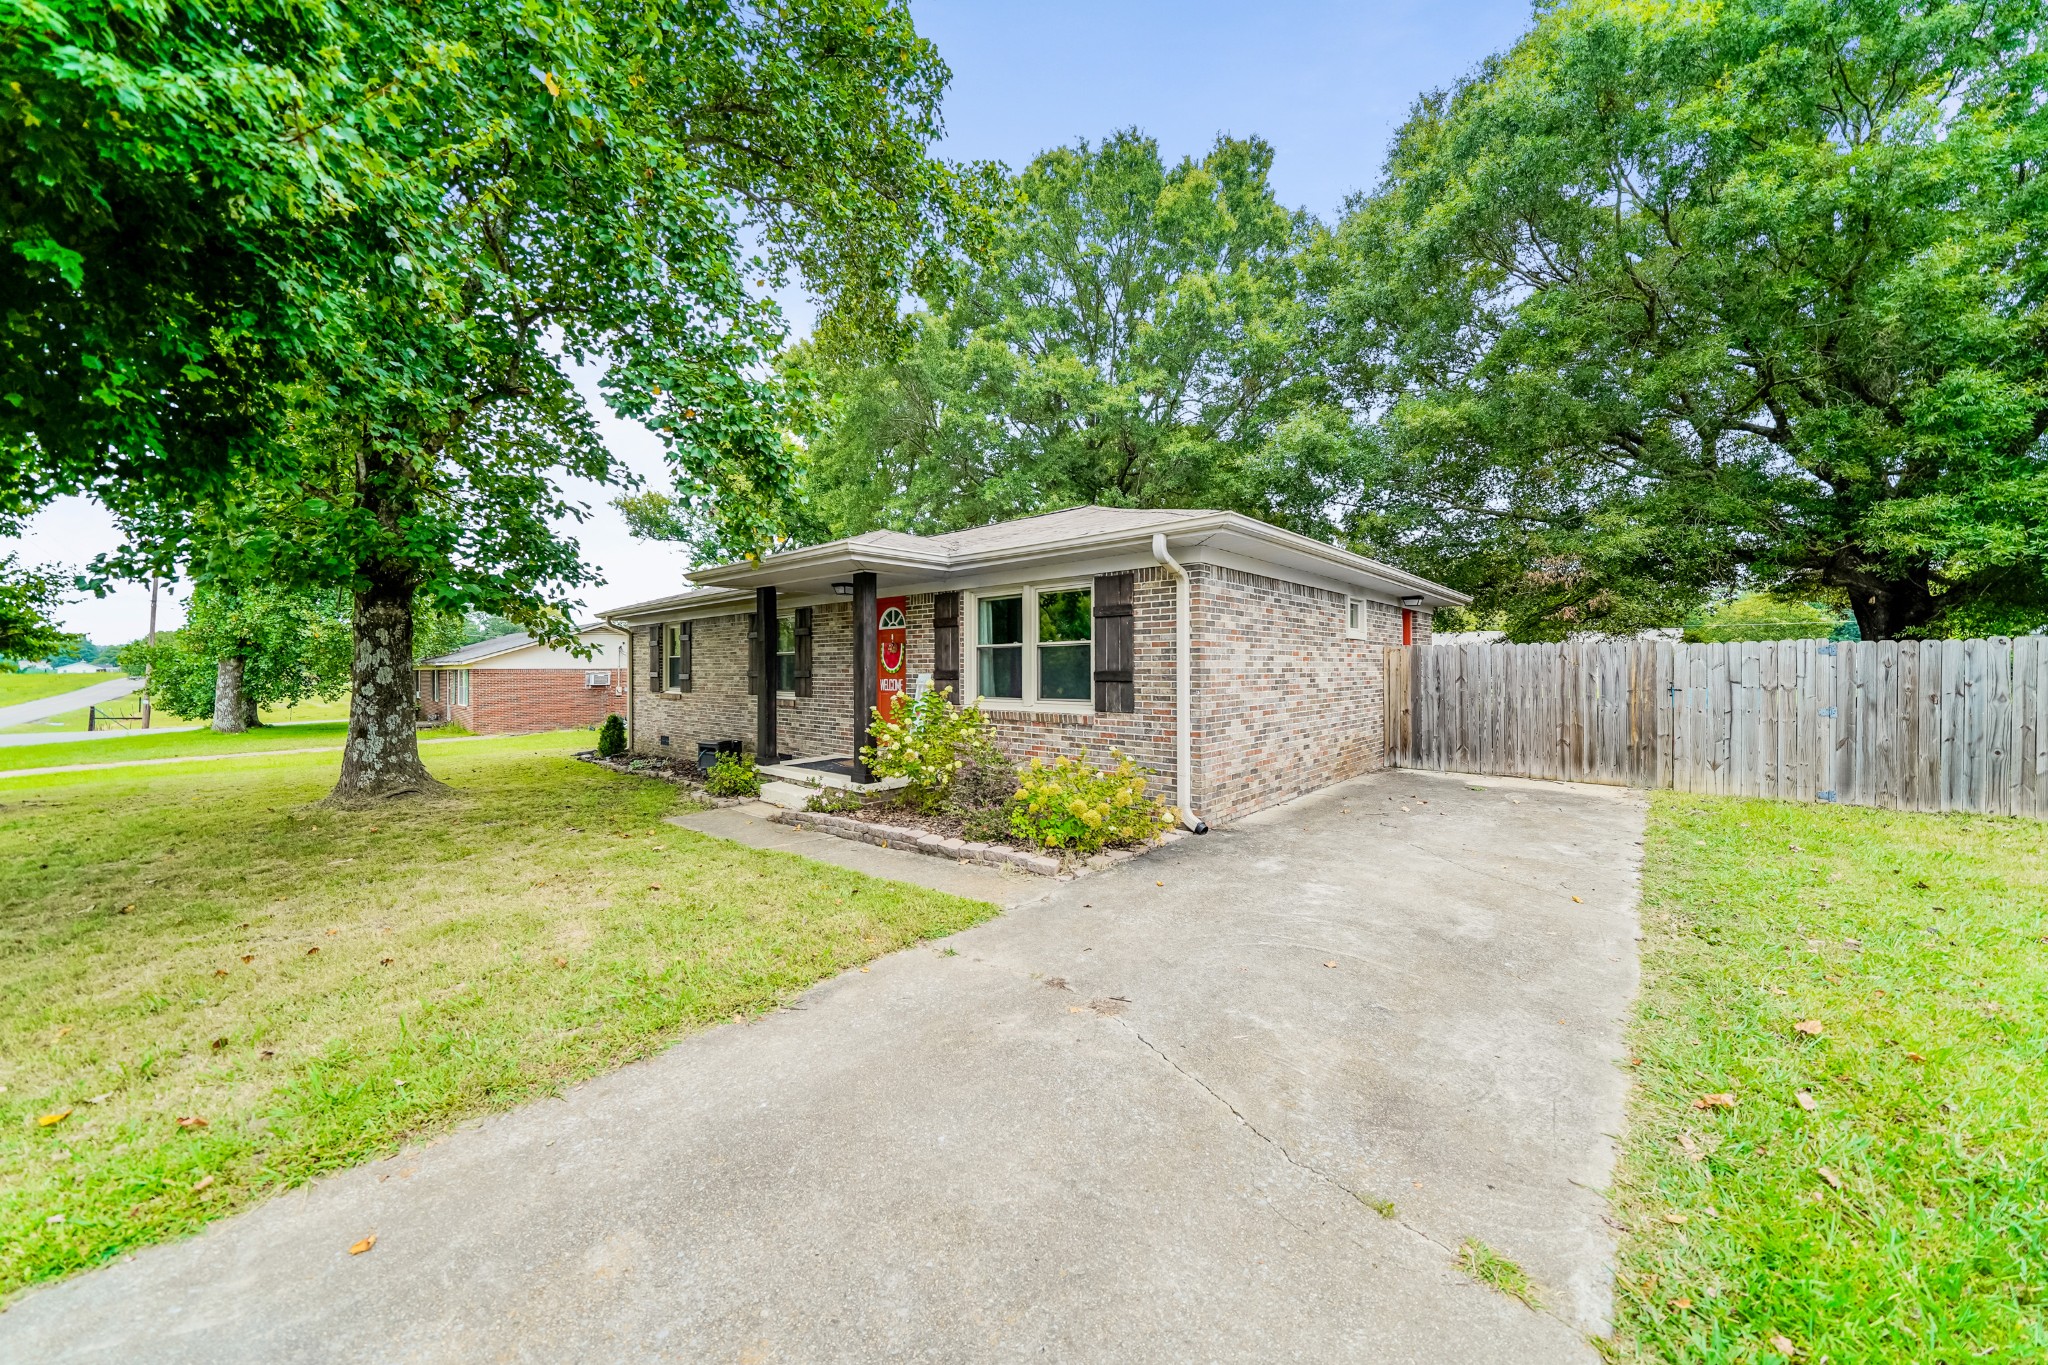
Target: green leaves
[
  {"x": 1665, "y": 302},
  {"x": 1126, "y": 332}
]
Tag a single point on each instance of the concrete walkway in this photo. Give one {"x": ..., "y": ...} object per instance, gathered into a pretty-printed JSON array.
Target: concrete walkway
[
  {"x": 1132, "y": 1121},
  {"x": 42, "y": 708},
  {"x": 749, "y": 825}
]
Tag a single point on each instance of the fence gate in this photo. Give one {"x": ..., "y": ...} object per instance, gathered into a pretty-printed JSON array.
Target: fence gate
[{"x": 1907, "y": 725}]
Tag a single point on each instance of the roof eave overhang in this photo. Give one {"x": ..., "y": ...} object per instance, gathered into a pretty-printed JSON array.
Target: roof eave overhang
[{"x": 815, "y": 569}]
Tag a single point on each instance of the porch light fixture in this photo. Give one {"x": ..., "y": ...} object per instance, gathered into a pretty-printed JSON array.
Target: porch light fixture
[
  {"x": 1411, "y": 603},
  {"x": 846, "y": 590}
]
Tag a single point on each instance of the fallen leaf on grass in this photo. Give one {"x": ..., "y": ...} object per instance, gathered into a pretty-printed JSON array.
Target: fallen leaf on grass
[
  {"x": 62, "y": 1031},
  {"x": 220, "y": 971},
  {"x": 1725, "y": 1101},
  {"x": 1784, "y": 1347},
  {"x": 386, "y": 961},
  {"x": 311, "y": 951},
  {"x": 204, "y": 1181},
  {"x": 1915, "y": 1057},
  {"x": 1809, "y": 1027},
  {"x": 654, "y": 886},
  {"x": 1834, "y": 1181},
  {"x": 1674, "y": 1218},
  {"x": 192, "y": 1122},
  {"x": 248, "y": 957},
  {"x": 219, "y": 1043},
  {"x": 1681, "y": 1303},
  {"x": 1805, "y": 1100},
  {"x": 52, "y": 1120},
  {"x": 100, "y": 1098},
  {"x": 360, "y": 1247},
  {"x": 561, "y": 962}
]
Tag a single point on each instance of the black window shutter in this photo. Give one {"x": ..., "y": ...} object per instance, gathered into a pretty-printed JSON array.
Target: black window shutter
[
  {"x": 803, "y": 651},
  {"x": 753, "y": 653},
  {"x": 655, "y": 651},
  {"x": 687, "y": 655},
  {"x": 946, "y": 641},
  {"x": 1113, "y": 690}
]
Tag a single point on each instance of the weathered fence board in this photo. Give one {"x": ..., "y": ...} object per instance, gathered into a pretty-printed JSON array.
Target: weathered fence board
[{"x": 1907, "y": 725}]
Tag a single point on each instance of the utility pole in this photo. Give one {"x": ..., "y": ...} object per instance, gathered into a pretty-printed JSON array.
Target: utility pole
[{"x": 152, "y": 649}]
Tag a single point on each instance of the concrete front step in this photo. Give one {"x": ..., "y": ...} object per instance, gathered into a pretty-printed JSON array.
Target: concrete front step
[{"x": 788, "y": 795}]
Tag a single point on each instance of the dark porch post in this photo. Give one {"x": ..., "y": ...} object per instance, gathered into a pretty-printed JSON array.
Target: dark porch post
[
  {"x": 765, "y": 750},
  {"x": 864, "y": 649}
]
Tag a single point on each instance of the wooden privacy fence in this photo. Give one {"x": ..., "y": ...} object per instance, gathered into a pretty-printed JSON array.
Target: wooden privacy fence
[{"x": 1908, "y": 725}]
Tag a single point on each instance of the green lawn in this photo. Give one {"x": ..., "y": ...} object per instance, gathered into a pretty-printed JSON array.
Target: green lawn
[
  {"x": 1879, "y": 1190},
  {"x": 283, "y": 715},
  {"x": 191, "y": 743},
  {"x": 16, "y": 688},
  {"x": 319, "y": 987}
]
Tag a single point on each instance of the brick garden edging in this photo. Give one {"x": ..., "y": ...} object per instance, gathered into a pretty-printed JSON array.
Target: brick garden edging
[{"x": 960, "y": 850}]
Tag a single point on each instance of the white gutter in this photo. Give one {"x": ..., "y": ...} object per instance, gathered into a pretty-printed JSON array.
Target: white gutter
[{"x": 1183, "y": 691}]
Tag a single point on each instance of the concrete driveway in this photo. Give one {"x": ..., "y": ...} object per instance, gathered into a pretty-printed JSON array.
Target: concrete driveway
[{"x": 1126, "y": 1122}]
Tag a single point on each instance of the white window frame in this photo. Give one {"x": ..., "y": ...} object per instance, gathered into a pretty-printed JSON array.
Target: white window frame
[
  {"x": 461, "y": 697},
  {"x": 970, "y": 611},
  {"x": 1357, "y": 618}
]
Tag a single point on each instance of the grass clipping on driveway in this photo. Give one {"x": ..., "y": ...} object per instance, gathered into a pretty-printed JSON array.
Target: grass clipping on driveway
[
  {"x": 1838, "y": 1144},
  {"x": 216, "y": 990}
]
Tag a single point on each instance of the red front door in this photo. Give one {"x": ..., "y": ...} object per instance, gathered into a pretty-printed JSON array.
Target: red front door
[{"x": 891, "y": 643}]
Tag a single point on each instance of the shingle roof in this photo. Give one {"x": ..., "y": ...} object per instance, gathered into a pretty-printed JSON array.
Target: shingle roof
[
  {"x": 1055, "y": 528},
  {"x": 496, "y": 645}
]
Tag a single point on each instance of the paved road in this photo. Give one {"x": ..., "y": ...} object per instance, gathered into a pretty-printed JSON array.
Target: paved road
[
  {"x": 1128, "y": 1122},
  {"x": 22, "y": 713}
]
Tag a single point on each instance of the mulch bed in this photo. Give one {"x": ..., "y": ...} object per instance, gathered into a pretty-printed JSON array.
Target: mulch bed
[
  {"x": 886, "y": 810},
  {"x": 681, "y": 771}
]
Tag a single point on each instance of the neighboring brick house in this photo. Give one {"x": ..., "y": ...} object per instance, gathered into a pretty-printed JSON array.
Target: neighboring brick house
[
  {"x": 509, "y": 685},
  {"x": 1065, "y": 628}
]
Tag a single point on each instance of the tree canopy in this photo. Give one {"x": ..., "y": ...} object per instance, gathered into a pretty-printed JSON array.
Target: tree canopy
[
  {"x": 240, "y": 651},
  {"x": 1679, "y": 297},
  {"x": 511, "y": 193},
  {"x": 1129, "y": 332}
]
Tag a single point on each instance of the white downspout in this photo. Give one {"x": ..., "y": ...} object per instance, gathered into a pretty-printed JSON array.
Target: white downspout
[{"x": 1183, "y": 691}]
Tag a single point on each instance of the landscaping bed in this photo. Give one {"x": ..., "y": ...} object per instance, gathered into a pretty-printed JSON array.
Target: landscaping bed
[{"x": 891, "y": 824}]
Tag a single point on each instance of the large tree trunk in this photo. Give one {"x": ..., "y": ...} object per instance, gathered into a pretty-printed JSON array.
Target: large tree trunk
[
  {"x": 230, "y": 710},
  {"x": 1886, "y": 609},
  {"x": 383, "y": 754}
]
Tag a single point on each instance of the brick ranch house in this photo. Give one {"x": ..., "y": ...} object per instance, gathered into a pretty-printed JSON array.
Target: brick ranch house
[
  {"x": 509, "y": 685},
  {"x": 1068, "y": 627}
]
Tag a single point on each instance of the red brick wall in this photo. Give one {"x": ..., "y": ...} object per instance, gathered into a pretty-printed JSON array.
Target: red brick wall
[{"x": 516, "y": 701}]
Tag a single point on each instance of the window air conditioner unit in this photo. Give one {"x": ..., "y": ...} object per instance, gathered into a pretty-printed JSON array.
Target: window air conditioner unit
[{"x": 597, "y": 677}]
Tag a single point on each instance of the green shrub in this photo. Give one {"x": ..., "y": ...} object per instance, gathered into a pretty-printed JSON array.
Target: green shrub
[
  {"x": 733, "y": 775},
  {"x": 986, "y": 826},
  {"x": 834, "y": 801},
  {"x": 929, "y": 743},
  {"x": 1072, "y": 804},
  {"x": 611, "y": 737}
]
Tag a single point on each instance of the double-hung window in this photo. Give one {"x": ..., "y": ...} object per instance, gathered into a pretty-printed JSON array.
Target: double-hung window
[
  {"x": 785, "y": 654},
  {"x": 672, "y": 654},
  {"x": 1035, "y": 645},
  {"x": 462, "y": 687}
]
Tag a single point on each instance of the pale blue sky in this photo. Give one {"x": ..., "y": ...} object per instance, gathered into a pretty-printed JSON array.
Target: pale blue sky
[{"x": 1325, "y": 83}]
